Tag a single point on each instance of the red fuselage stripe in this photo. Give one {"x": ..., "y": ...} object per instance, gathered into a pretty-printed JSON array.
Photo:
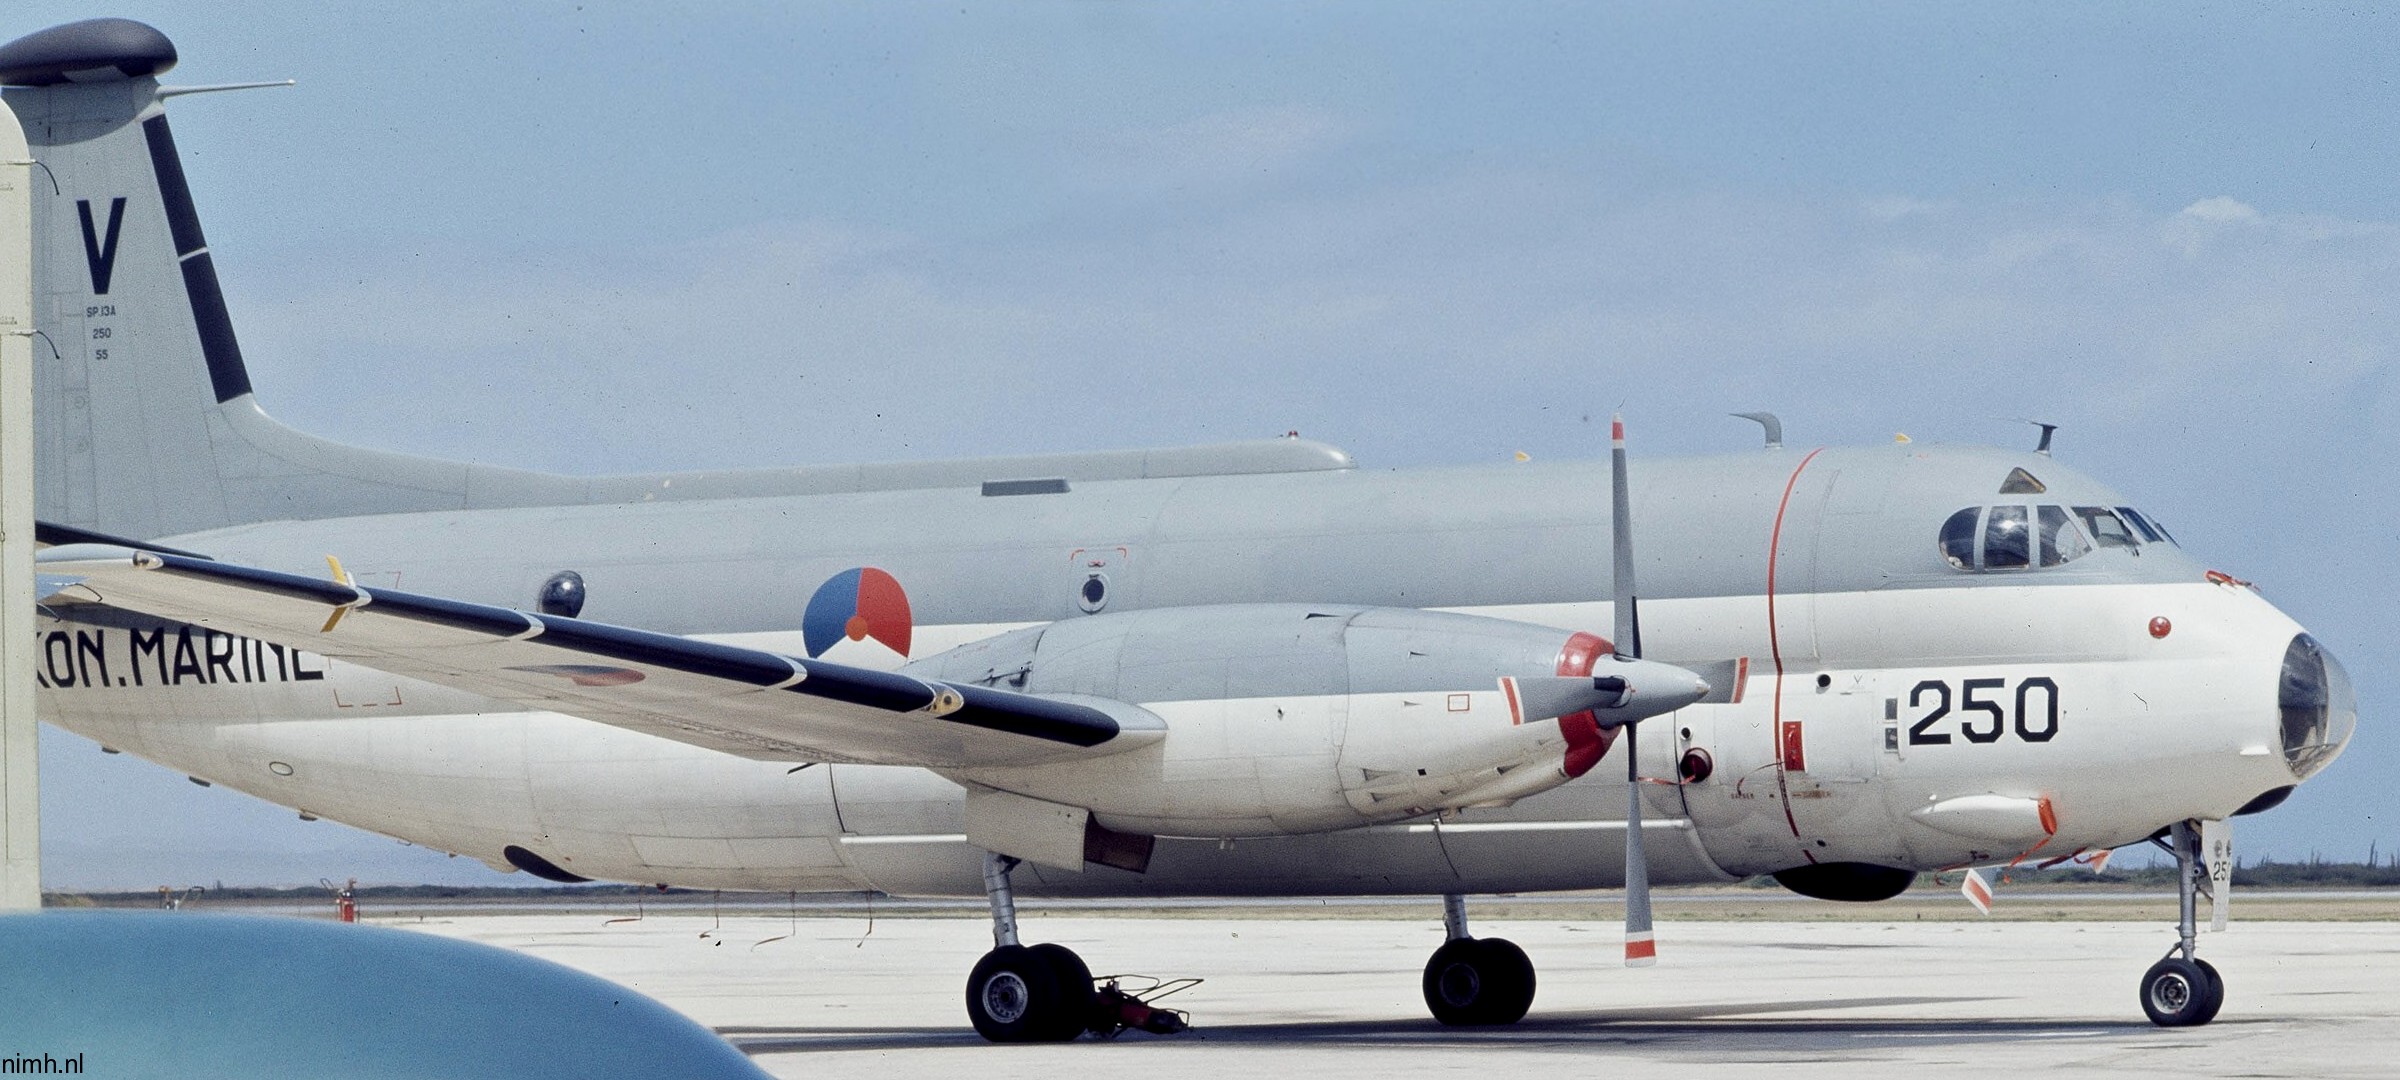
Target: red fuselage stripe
[{"x": 1775, "y": 640}]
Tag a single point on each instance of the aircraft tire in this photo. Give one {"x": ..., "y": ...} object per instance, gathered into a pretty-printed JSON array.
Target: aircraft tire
[
  {"x": 1019, "y": 994},
  {"x": 1075, "y": 995},
  {"x": 2181, "y": 993},
  {"x": 2216, "y": 991},
  {"x": 1479, "y": 981}
]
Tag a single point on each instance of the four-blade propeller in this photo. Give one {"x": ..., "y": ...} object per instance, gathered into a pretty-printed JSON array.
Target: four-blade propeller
[{"x": 1641, "y": 948}]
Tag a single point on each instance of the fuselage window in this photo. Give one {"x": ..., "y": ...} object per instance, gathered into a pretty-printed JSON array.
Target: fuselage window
[
  {"x": 2106, "y": 528},
  {"x": 2061, "y": 542},
  {"x": 1958, "y": 538},
  {"x": 2007, "y": 543}
]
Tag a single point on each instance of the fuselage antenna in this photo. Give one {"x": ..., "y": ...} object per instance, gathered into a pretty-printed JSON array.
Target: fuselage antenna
[
  {"x": 2047, "y": 430},
  {"x": 1774, "y": 427}
]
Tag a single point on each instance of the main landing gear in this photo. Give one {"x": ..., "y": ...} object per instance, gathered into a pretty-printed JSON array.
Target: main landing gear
[
  {"x": 1475, "y": 981},
  {"x": 1044, "y": 993},
  {"x": 2182, "y": 990},
  {"x": 1021, "y": 994}
]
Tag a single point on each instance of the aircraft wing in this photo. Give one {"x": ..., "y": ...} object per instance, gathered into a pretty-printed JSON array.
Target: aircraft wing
[{"x": 749, "y": 702}]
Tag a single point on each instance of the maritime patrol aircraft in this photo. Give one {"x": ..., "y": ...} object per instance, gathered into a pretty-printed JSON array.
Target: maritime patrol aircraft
[{"x": 1237, "y": 670}]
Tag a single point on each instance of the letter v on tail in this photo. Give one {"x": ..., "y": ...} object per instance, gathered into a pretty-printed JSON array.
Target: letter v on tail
[{"x": 100, "y": 253}]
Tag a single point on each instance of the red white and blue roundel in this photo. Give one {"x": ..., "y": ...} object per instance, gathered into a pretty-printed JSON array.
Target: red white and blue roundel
[{"x": 856, "y": 605}]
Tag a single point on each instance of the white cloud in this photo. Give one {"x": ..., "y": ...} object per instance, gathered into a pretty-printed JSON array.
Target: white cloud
[
  {"x": 1234, "y": 146},
  {"x": 2222, "y": 208},
  {"x": 1899, "y": 207}
]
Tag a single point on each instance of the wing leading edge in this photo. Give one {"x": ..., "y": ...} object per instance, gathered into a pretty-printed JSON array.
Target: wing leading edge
[{"x": 749, "y": 702}]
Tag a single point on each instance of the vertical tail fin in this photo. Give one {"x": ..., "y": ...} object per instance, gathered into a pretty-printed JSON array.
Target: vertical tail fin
[
  {"x": 145, "y": 423},
  {"x": 122, "y": 280},
  {"x": 145, "y": 426}
]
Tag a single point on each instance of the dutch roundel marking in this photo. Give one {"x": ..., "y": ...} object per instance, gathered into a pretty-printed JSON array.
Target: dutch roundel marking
[
  {"x": 1983, "y": 711},
  {"x": 855, "y": 605}
]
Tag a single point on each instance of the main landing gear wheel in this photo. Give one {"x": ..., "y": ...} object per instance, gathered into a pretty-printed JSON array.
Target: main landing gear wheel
[
  {"x": 1037, "y": 994},
  {"x": 1479, "y": 981},
  {"x": 2182, "y": 993}
]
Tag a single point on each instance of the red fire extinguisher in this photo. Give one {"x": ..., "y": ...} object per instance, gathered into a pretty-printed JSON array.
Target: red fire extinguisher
[{"x": 345, "y": 900}]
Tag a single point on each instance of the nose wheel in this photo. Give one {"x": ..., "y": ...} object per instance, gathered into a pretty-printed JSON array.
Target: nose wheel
[
  {"x": 2183, "y": 990},
  {"x": 1474, "y": 981},
  {"x": 2182, "y": 993}
]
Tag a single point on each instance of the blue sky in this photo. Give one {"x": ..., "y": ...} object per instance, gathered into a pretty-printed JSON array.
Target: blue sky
[{"x": 606, "y": 238}]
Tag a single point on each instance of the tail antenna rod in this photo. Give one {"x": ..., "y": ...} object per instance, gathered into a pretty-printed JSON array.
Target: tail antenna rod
[{"x": 1641, "y": 947}]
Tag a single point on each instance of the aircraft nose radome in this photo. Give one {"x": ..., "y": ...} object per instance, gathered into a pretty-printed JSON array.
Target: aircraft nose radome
[{"x": 2316, "y": 707}]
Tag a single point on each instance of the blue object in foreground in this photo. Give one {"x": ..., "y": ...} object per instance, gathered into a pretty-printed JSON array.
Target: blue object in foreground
[{"x": 157, "y": 994}]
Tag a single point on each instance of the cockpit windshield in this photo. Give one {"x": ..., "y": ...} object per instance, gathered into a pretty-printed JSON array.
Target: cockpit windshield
[
  {"x": 2106, "y": 527},
  {"x": 2149, "y": 529},
  {"x": 2061, "y": 541},
  {"x": 2042, "y": 535}
]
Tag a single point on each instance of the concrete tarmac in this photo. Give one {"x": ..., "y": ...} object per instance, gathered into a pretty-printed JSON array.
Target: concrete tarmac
[{"x": 1328, "y": 998}]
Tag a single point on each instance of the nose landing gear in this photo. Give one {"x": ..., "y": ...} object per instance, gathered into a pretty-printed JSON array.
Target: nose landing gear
[
  {"x": 2183, "y": 990},
  {"x": 1476, "y": 981}
]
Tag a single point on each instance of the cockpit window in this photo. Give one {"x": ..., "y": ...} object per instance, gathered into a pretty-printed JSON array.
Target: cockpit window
[
  {"x": 2020, "y": 482},
  {"x": 2007, "y": 544},
  {"x": 2106, "y": 528},
  {"x": 1958, "y": 538},
  {"x": 2061, "y": 543},
  {"x": 2142, "y": 525}
]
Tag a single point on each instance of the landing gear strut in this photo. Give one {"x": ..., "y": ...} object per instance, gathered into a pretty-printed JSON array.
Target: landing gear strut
[
  {"x": 2182, "y": 990},
  {"x": 1473, "y": 980},
  {"x": 1021, "y": 994}
]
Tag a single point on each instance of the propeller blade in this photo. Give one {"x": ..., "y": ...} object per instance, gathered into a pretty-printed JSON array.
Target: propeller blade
[
  {"x": 1641, "y": 949},
  {"x": 1629, "y": 623}
]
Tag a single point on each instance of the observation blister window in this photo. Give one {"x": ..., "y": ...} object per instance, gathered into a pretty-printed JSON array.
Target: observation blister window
[
  {"x": 2007, "y": 543},
  {"x": 1958, "y": 537}
]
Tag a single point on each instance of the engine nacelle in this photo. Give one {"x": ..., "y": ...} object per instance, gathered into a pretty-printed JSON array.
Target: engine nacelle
[{"x": 1287, "y": 719}]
